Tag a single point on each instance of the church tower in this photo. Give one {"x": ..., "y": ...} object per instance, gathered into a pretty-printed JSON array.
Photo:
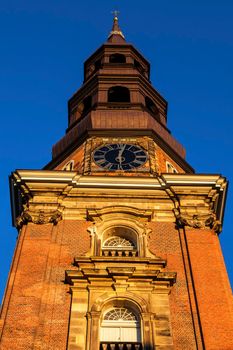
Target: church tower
[{"x": 118, "y": 244}]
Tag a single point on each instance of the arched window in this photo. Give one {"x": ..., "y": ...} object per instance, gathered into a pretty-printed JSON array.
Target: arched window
[
  {"x": 138, "y": 66},
  {"x": 171, "y": 168},
  {"x": 119, "y": 241},
  {"x": 87, "y": 102},
  {"x": 151, "y": 106},
  {"x": 118, "y": 94},
  {"x": 84, "y": 106},
  {"x": 120, "y": 325},
  {"x": 69, "y": 166},
  {"x": 98, "y": 64},
  {"x": 117, "y": 58}
]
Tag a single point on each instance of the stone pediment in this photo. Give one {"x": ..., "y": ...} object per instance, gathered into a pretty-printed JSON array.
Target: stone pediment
[
  {"x": 118, "y": 273},
  {"x": 98, "y": 214}
]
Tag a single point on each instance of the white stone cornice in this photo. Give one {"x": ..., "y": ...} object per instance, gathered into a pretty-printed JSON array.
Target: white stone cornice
[
  {"x": 191, "y": 194},
  {"x": 48, "y": 177}
]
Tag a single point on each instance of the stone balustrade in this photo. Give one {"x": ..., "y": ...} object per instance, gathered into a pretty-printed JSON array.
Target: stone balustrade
[
  {"x": 119, "y": 252},
  {"x": 120, "y": 346}
]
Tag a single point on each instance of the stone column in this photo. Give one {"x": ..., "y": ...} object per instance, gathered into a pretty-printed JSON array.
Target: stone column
[
  {"x": 78, "y": 320},
  {"x": 95, "y": 330}
]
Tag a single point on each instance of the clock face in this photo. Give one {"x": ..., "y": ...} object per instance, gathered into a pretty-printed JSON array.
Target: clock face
[{"x": 119, "y": 156}]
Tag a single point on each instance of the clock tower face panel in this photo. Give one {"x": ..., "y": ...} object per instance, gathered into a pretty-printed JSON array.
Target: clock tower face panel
[
  {"x": 122, "y": 155},
  {"x": 119, "y": 156}
]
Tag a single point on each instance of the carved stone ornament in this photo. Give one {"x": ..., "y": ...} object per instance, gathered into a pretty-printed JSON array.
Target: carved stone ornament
[
  {"x": 198, "y": 221},
  {"x": 100, "y": 214},
  {"x": 39, "y": 218}
]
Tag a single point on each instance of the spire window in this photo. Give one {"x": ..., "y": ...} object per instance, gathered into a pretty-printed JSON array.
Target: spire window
[
  {"x": 87, "y": 102},
  {"x": 138, "y": 66},
  {"x": 117, "y": 58},
  {"x": 83, "y": 107},
  {"x": 151, "y": 106},
  {"x": 98, "y": 65},
  {"x": 118, "y": 94}
]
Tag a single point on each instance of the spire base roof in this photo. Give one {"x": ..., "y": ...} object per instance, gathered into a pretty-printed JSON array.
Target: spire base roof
[{"x": 116, "y": 35}]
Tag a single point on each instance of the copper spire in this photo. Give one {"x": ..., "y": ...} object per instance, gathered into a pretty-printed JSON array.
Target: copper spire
[{"x": 116, "y": 34}]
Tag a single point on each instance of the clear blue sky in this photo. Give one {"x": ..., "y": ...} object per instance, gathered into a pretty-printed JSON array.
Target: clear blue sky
[{"x": 42, "y": 50}]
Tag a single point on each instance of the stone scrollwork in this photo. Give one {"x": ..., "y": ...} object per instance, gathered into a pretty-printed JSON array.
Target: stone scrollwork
[
  {"x": 39, "y": 218},
  {"x": 22, "y": 219},
  {"x": 198, "y": 220},
  {"x": 55, "y": 217},
  {"x": 213, "y": 223}
]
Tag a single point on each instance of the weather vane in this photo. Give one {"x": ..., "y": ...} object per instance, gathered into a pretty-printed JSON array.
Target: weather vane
[{"x": 115, "y": 13}]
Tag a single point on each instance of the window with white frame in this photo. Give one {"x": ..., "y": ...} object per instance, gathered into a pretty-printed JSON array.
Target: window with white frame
[
  {"x": 119, "y": 241},
  {"x": 120, "y": 324}
]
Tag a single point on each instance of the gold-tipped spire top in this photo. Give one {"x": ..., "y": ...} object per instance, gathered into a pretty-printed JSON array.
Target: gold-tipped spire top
[{"x": 115, "y": 28}]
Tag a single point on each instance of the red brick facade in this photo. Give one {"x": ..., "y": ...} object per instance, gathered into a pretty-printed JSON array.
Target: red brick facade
[
  {"x": 63, "y": 277},
  {"x": 212, "y": 288},
  {"x": 37, "y": 302}
]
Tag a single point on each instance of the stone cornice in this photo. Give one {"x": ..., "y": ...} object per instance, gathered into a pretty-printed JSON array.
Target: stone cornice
[
  {"x": 193, "y": 196},
  {"x": 97, "y": 260},
  {"x": 127, "y": 273},
  {"x": 33, "y": 178}
]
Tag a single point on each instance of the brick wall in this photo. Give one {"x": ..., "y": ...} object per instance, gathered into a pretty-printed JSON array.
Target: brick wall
[
  {"x": 212, "y": 288},
  {"x": 165, "y": 243},
  {"x": 37, "y": 314},
  {"x": 37, "y": 303}
]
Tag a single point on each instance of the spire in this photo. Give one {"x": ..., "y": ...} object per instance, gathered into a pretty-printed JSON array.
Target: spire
[{"x": 116, "y": 35}]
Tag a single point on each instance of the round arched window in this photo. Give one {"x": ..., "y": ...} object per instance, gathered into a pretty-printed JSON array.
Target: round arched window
[
  {"x": 119, "y": 246},
  {"x": 118, "y": 242},
  {"x": 120, "y": 324},
  {"x": 120, "y": 314}
]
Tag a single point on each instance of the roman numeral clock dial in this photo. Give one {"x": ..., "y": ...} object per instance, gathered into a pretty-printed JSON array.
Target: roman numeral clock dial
[{"x": 119, "y": 156}]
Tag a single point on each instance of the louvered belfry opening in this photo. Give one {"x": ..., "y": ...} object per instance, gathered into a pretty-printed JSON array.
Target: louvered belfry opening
[{"x": 119, "y": 94}]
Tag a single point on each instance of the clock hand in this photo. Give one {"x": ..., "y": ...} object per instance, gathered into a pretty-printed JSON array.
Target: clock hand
[
  {"x": 119, "y": 158},
  {"x": 121, "y": 151}
]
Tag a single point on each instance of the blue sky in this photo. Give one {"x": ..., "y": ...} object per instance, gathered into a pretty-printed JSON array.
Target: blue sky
[{"x": 43, "y": 47}]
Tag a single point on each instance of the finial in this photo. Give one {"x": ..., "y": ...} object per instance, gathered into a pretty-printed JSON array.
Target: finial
[
  {"x": 115, "y": 13},
  {"x": 115, "y": 28}
]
